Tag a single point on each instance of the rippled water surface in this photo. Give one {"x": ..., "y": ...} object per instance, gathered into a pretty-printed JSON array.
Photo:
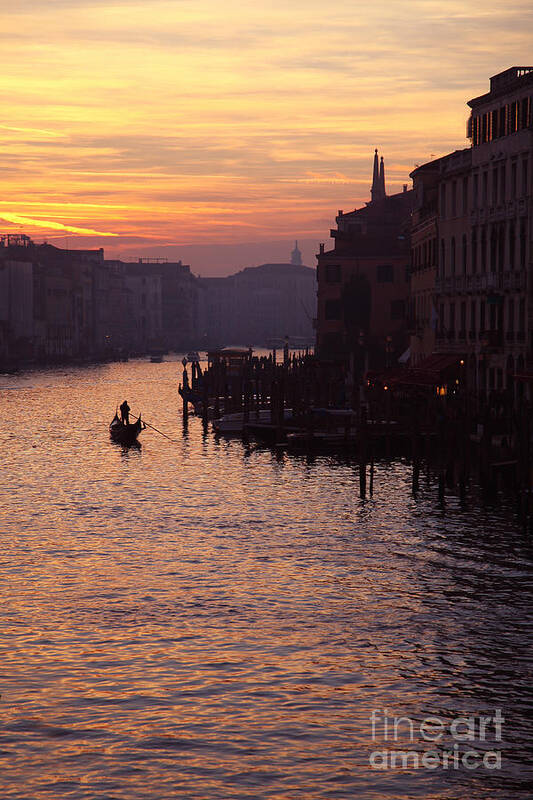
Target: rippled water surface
[{"x": 206, "y": 619}]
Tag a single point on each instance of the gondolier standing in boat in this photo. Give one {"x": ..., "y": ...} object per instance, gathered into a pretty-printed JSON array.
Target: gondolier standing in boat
[{"x": 125, "y": 412}]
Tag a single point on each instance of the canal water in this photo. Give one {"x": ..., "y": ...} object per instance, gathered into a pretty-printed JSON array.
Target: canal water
[{"x": 202, "y": 618}]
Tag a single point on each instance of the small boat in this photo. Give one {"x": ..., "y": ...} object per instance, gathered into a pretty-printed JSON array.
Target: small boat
[
  {"x": 125, "y": 434},
  {"x": 236, "y": 423},
  {"x": 319, "y": 439},
  {"x": 156, "y": 355},
  {"x": 326, "y": 427},
  {"x": 9, "y": 368},
  {"x": 268, "y": 431}
]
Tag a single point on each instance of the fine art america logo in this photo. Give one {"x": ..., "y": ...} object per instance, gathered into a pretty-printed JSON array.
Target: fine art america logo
[{"x": 466, "y": 742}]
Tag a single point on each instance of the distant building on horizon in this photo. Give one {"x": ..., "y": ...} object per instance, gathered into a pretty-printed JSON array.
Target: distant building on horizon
[
  {"x": 47, "y": 301},
  {"x": 58, "y": 304},
  {"x": 261, "y": 305},
  {"x": 179, "y": 314}
]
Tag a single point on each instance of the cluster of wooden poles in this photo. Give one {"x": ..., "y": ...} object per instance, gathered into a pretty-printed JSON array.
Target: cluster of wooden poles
[{"x": 463, "y": 440}]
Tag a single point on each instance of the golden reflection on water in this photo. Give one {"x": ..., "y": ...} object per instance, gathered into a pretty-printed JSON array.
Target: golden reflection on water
[{"x": 209, "y": 619}]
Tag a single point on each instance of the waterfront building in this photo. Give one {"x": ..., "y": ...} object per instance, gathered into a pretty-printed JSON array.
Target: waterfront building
[
  {"x": 219, "y": 310},
  {"x": 144, "y": 307},
  {"x": 47, "y": 299},
  {"x": 16, "y": 308},
  {"x": 112, "y": 324},
  {"x": 60, "y": 304},
  {"x": 261, "y": 305},
  {"x": 477, "y": 204},
  {"x": 440, "y": 243},
  {"x": 162, "y": 303},
  {"x": 180, "y": 297},
  {"x": 424, "y": 257},
  {"x": 64, "y": 301},
  {"x": 363, "y": 281}
]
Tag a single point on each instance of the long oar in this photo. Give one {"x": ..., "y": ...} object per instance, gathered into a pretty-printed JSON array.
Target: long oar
[{"x": 155, "y": 429}]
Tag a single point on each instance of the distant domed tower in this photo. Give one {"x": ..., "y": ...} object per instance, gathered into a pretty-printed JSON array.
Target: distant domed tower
[{"x": 296, "y": 256}]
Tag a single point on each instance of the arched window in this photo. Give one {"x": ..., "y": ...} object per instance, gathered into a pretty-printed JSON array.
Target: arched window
[
  {"x": 501, "y": 248},
  {"x": 452, "y": 256},
  {"x": 510, "y": 315},
  {"x": 493, "y": 249},
  {"x": 509, "y": 368},
  {"x": 512, "y": 245},
  {"x": 472, "y": 319},
  {"x": 523, "y": 244},
  {"x": 443, "y": 200}
]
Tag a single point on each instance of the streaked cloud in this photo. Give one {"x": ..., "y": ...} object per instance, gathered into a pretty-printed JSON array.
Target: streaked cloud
[
  {"x": 182, "y": 123},
  {"x": 17, "y": 219}
]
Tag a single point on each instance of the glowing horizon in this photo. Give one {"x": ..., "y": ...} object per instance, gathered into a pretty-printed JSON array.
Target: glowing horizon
[{"x": 168, "y": 124}]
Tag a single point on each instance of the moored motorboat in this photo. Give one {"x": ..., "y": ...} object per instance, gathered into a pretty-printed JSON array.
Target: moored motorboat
[
  {"x": 125, "y": 434},
  {"x": 237, "y": 423},
  {"x": 325, "y": 427}
]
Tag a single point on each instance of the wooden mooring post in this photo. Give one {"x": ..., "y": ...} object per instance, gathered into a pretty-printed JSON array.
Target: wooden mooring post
[
  {"x": 185, "y": 390},
  {"x": 363, "y": 446}
]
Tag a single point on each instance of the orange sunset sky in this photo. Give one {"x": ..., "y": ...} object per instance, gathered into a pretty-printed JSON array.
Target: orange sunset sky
[{"x": 219, "y": 132}]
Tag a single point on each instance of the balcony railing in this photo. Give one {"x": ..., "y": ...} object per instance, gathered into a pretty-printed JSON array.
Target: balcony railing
[{"x": 510, "y": 280}]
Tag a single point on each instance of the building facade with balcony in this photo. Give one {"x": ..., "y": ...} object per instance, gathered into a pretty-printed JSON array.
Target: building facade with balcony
[
  {"x": 422, "y": 316},
  {"x": 477, "y": 204}
]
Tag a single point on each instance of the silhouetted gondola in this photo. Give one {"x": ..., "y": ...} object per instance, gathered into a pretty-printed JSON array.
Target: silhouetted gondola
[{"x": 125, "y": 434}]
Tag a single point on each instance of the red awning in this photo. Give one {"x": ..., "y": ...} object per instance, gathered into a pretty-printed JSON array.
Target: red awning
[
  {"x": 427, "y": 373},
  {"x": 439, "y": 362}
]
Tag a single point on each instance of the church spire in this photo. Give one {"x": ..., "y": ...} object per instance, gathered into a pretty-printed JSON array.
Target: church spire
[
  {"x": 375, "y": 177},
  {"x": 378, "y": 179}
]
